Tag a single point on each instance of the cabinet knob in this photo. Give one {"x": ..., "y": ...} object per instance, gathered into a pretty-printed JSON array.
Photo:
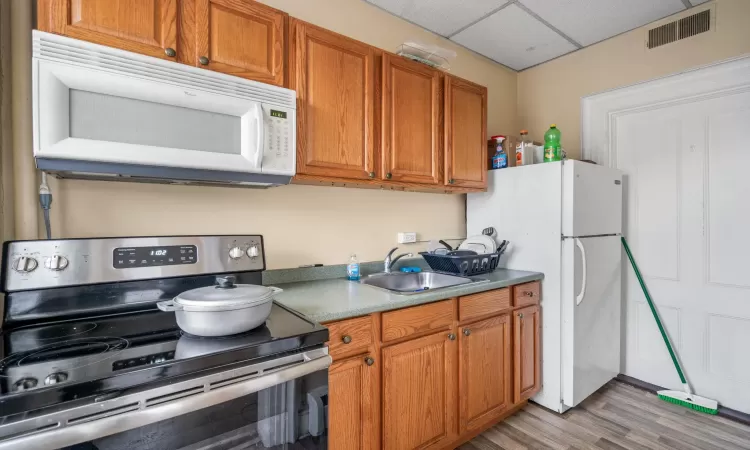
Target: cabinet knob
[
  {"x": 467, "y": 331},
  {"x": 451, "y": 181},
  {"x": 170, "y": 52},
  {"x": 528, "y": 294},
  {"x": 452, "y": 337},
  {"x": 371, "y": 174},
  {"x": 388, "y": 176},
  {"x": 369, "y": 361},
  {"x": 346, "y": 339},
  {"x": 520, "y": 315},
  {"x": 203, "y": 60}
]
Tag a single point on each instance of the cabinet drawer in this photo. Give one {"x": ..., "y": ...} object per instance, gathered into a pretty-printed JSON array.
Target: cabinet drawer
[
  {"x": 526, "y": 294},
  {"x": 405, "y": 322},
  {"x": 347, "y": 336},
  {"x": 483, "y": 303}
]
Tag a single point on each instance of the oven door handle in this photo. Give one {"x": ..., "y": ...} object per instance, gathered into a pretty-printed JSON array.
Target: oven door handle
[{"x": 142, "y": 413}]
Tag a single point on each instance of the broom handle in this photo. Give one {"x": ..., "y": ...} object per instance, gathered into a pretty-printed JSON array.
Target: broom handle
[{"x": 653, "y": 310}]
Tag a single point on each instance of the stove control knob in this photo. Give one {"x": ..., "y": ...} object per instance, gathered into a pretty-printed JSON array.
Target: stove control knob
[
  {"x": 236, "y": 253},
  {"x": 24, "y": 264},
  {"x": 253, "y": 251},
  {"x": 56, "y": 263},
  {"x": 54, "y": 378},
  {"x": 24, "y": 384}
]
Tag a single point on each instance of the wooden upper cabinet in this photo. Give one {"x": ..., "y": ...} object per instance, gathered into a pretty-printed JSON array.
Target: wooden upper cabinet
[
  {"x": 465, "y": 133},
  {"x": 148, "y": 27},
  {"x": 410, "y": 121},
  {"x": 485, "y": 371},
  {"x": 242, "y": 38},
  {"x": 526, "y": 356},
  {"x": 419, "y": 393},
  {"x": 352, "y": 392},
  {"x": 334, "y": 77}
]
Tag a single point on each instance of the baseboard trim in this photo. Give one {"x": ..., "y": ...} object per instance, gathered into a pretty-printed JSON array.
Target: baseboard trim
[{"x": 729, "y": 413}]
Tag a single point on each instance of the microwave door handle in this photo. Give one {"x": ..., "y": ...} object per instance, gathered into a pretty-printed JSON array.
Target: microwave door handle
[{"x": 260, "y": 134}]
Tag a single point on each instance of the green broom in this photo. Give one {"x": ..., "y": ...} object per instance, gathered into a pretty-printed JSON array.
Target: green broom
[{"x": 686, "y": 398}]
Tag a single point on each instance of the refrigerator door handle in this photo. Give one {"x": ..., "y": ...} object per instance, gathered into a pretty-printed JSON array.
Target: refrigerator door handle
[{"x": 579, "y": 297}]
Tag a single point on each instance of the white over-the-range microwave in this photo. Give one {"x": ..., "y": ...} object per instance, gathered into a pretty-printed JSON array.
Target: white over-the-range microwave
[{"x": 104, "y": 113}]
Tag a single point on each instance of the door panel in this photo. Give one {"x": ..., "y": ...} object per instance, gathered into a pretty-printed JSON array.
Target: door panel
[
  {"x": 526, "y": 356},
  {"x": 686, "y": 175},
  {"x": 351, "y": 387},
  {"x": 485, "y": 371},
  {"x": 419, "y": 393},
  {"x": 147, "y": 27},
  {"x": 591, "y": 328},
  {"x": 242, "y": 38},
  {"x": 411, "y": 112},
  {"x": 465, "y": 133},
  {"x": 334, "y": 78}
]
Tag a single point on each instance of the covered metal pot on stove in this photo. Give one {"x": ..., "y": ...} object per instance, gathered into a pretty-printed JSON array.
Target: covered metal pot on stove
[{"x": 223, "y": 309}]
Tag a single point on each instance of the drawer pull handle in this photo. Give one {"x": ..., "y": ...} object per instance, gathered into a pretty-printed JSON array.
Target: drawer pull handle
[
  {"x": 452, "y": 337},
  {"x": 346, "y": 339},
  {"x": 369, "y": 361},
  {"x": 467, "y": 331}
]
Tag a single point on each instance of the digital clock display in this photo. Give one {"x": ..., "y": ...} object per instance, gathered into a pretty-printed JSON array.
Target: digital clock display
[
  {"x": 279, "y": 114},
  {"x": 170, "y": 255}
]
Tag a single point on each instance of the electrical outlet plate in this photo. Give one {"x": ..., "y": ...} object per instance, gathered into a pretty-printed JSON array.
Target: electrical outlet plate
[{"x": 407, "y": 237}]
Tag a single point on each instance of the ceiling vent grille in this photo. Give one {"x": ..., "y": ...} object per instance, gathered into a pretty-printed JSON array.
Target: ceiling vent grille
[{"x": 679, "y": 29}]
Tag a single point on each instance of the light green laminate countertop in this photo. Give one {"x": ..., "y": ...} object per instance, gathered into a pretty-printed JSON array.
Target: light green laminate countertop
[{"x": 336, "y": 299}]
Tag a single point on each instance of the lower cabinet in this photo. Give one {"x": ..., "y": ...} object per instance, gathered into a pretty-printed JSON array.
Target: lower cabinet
[
  {"x": 419, "y": 392},
  {"x": 526, "y": 353},
  {"x": 351, "y": 421},
  {"x": 485, "y": 371},
  {"x": 431, "y": 377}
]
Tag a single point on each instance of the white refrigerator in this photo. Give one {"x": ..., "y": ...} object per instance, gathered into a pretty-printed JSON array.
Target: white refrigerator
[{"x": 563, "y": 219}]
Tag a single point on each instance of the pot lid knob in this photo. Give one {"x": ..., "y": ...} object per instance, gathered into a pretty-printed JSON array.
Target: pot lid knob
[{"x": 225, "y": 282}]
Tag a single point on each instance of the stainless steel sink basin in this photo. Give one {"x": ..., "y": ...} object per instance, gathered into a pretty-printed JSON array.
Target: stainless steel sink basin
[{"x": 414, "y": 283}]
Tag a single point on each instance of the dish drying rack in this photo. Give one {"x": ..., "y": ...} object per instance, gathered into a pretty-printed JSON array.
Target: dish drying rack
[{"x": 463, "y": 265}]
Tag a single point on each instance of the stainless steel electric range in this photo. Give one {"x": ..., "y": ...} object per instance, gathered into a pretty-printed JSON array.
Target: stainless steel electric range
[{"x": 88, "y": 362}]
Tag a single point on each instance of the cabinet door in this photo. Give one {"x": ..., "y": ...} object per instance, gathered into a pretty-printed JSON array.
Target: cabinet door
[
  {"x": 242, "y": 38},
  {"x": 148, "y": 27},
  {"x": 526, "y": 340},
  {"x": 410, "y": 121},
  {"x": 352, "y": 397},
  {"x": 334, "y": 77},
  {"x": 485, "y": 371},
  {"x": 465, "y": 133},
  {"x": 419, "y": 393}
]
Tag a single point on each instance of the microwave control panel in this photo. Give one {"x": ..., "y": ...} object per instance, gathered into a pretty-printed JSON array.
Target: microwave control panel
[{"x": 280, "y": 140}]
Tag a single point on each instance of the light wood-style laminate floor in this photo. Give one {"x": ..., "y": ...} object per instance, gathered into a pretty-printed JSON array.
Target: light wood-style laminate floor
[{"x": 618, "y": 416}]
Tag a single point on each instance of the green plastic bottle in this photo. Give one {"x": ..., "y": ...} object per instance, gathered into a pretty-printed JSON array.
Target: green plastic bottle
[{"x": 552, "y": 144}]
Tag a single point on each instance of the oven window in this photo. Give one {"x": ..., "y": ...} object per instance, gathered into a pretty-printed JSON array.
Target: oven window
[
  {"x": 289, "y": 416},
  {"x": 110, "y": 118}
]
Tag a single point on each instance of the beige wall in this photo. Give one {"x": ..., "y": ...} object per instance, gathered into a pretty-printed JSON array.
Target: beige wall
[
  {"x": 302, "y": 224},
  {"x": 551, "y": 92}
]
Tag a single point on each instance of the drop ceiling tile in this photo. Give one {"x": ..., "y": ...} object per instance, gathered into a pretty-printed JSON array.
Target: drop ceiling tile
[
  {"x": 513, "y": 37},
  {"x": 443, "y": 17},
  {"x": 591, "y": 21}
]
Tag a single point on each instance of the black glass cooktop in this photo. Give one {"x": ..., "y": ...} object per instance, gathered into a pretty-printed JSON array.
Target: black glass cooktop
[{"x": 52, "y": 363}]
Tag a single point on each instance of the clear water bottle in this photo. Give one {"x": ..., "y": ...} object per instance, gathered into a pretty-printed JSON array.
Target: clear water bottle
[{"x": 352, "y": 269}]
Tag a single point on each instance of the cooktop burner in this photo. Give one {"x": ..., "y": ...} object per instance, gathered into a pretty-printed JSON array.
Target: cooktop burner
[{"x": 44, "y": 364}]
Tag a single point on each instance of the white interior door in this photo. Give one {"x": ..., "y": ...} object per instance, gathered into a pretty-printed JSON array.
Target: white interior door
[
  {"x": 687, "y": 185},
  {"x": 591, "y": 306}
]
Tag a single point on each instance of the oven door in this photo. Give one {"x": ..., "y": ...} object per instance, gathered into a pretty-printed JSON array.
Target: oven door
[{"x": 278, "y": 404}]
